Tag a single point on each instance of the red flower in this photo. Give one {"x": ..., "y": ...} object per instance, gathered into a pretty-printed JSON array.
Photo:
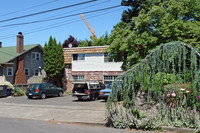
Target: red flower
[{"x": 191, "y": 91}]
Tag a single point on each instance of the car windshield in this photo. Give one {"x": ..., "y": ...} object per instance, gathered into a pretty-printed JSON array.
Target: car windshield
[
  {"x": 33, "y": 86},
  {"x": 109, "y": 86}
]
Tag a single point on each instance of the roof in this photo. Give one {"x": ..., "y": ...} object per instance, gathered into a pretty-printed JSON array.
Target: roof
[
  {"x": 9, "y": 53},
  {"x": 82, "y": 50}
]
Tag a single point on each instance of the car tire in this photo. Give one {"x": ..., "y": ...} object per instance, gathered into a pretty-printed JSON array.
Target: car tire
[
  {"x": 29, "y": 97},
  {"x": 95, "y": 97},
  {"x": 80, "y": 98},
  {"x": 43, "y": 96},
  {"x": 60, "y": 94}
]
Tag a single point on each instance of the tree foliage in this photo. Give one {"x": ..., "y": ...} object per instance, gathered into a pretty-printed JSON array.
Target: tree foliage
[
  {"x": 54, "y": 61},
  {"x": 101, "y": 41},
  {"x": 71, "y": 40},
  {"x": 154, "y": 22}
]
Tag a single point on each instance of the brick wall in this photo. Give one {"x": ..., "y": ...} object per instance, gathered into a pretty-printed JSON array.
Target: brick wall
[
  {"x": 89, "y": 76},
  {"x": 20, "y": 77}
]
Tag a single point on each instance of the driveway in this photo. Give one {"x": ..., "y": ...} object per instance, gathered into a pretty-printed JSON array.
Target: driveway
[{"x": 64, "y": 109}]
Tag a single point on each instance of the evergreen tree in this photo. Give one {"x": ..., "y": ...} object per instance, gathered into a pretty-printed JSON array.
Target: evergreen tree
[{"x": 54, "y": 61}]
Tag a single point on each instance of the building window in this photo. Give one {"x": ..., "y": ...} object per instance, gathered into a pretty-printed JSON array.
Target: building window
[
  {"x": 35, "y": 56},
  {"x": 109, "y": 79},
  {"x": 36, "y": 72},
  {"x": 9, "y": 71},
  {"x": 106, "y": 58},
  {"x": 78, "y": 57},
  {"x": 78, "y": 78},
  {"x": 26, "y": 71}
]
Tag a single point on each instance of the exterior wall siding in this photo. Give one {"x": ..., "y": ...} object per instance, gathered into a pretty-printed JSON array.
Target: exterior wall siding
[
  {"x": 95, "y": 62},
  {"x": 31, "y": 65},
  {"x": 10, "y": 79},
  {"x": 34, "y": 64},
  {"x": 2, "y": 77},
  {"x": 93, "y": 67}
]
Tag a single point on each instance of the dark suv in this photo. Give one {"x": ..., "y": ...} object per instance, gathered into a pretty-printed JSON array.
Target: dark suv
[{"x": 43, "y": 90}]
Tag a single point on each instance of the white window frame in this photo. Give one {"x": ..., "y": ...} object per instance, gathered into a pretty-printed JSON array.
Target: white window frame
[
  {"x": 35, "y": 55},
  {"x": 35, "y": 71},
  {"x": 28, "y": 71},
  {"x": 106, "y": 58},
  {"x": 109, "y": 78},
  {"x": 79, "y": 78},
  {"x": 11, "y": 71},
  {"x": 79, "y": 58}
]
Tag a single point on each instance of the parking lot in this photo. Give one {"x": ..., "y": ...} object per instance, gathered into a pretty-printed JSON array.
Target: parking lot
[{"x": 66, "y": 109}]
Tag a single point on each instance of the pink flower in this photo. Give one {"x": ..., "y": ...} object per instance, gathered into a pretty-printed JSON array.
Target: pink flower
[
  {"x": 199, "y": 97},
  {"x": 173, "y": 94},
  {"x": 191, "y": 91}
]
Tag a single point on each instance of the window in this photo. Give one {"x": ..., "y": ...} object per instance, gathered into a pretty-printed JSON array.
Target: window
[
  {"x": 106, "y": 59},
  {"x": 36, "y": 72},
  {"x": 26, "y": 71},
  {"x": 109, "y": 79},
  {"x": 9, "y": 71},
  {"x": 78, "y": 77},
  {"x": 78, "y": 57},
  {"x": 35, "y": 56},
  {"x": 94, "y": 86}
]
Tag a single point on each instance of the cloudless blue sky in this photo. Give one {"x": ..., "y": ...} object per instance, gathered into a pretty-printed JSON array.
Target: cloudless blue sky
[{"x": 35, "y": 34}]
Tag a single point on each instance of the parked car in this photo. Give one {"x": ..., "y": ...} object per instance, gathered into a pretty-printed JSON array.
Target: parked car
[
  {"x": 87, "y": 90},
  {"x": 43, "y": 90},
  {"x": 103, "y": 94}
]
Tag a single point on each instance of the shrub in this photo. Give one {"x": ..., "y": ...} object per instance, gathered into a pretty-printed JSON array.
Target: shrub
[
  {"x": 18, "y": 92},
  {"x": 9, "y": 85}
]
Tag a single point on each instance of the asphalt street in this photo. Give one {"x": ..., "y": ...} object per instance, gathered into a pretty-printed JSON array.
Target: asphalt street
[
  {"x": 54, "y": 115},
  {"x": 66, "y": 109},
  {"x": 10, "y": 125}
]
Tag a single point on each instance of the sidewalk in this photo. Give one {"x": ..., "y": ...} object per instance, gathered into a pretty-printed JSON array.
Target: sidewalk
[{"x": 75, "y": 114}]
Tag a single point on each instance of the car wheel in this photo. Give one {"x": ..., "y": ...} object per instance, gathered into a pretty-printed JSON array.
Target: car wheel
[
  {"x": 60, "y": 93},
  {"x": 95, "y": 97},
  {"x": 80, "y": 98},
  {"x": 43, "y": 96},
  {"x": 29, "y": 97}
]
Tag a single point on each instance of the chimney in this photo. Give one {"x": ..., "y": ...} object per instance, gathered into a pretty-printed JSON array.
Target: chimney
[
  {"x": 0, "y": 44},
  {"x": 20, "y": 43}
]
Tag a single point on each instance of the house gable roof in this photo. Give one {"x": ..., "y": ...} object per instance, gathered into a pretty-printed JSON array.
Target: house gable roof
[{"x": 9, "y": 53}]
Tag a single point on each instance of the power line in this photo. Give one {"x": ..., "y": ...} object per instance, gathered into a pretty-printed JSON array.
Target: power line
[
  {"x": 42, "y": 4},
  {"x": 74, "y": 21},
  {"x": 81, "y": 8},
  {"x": 55, "y": 9},
  {"x": 58, "y": 25},
  {"x": 39, "y": 21},
  {"x": 13, "y": 25}
]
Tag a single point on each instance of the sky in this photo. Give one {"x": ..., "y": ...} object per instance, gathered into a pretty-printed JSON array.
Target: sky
[{"x": 12, "y": 20}]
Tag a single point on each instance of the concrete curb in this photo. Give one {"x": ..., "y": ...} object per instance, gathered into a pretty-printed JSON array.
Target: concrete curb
[{"x": 179, "y": 130}]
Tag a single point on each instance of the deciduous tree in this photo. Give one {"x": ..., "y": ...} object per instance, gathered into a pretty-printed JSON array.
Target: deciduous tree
[{"x": 154, "y": 23}]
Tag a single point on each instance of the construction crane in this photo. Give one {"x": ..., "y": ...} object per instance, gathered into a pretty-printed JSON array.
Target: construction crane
[{"x": 85, "y": 21}]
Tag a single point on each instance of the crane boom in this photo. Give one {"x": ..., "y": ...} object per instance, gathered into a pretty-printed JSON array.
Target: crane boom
[{"x": 85, "y": 21}]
